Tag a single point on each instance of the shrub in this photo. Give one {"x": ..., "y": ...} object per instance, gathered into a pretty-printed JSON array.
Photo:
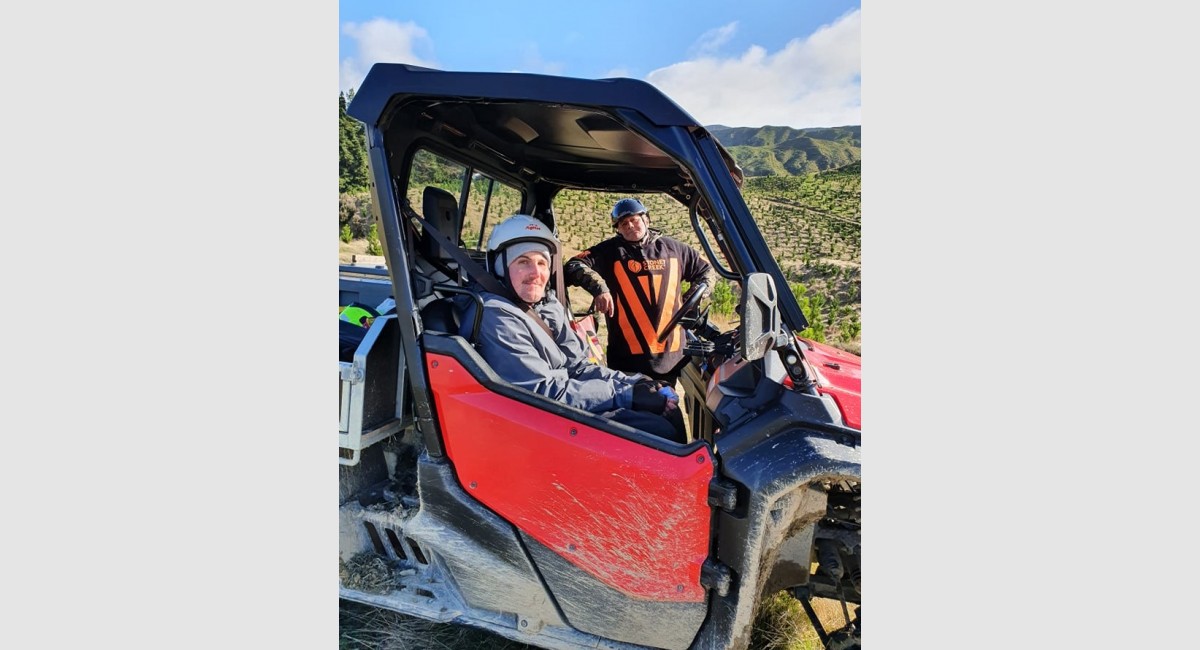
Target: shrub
[
  {"x": 811, "y": 306},
  {"x": 722, "y": 299},
  {"x": 851, "y": 329},
  {"x": 356, "y": 212},
  {"x": 373, "y": 245}
]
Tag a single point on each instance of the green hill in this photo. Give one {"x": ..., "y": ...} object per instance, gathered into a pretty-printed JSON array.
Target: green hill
[{"x": 784, "y": 151}]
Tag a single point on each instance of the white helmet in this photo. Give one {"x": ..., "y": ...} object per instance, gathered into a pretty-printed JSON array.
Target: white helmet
[{"x": 516, "y": 236}]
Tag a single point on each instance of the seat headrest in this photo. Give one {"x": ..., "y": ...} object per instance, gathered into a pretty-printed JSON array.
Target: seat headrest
[
  {"x": 440, "y": 209},
  {"x": 441, "y": 315}
]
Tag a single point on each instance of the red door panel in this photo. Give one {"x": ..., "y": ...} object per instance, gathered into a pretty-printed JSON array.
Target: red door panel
[{"x": 635, "y": 518}]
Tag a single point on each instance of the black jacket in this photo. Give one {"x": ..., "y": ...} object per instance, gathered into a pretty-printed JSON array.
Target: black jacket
[{"x": 644, "y": 279}]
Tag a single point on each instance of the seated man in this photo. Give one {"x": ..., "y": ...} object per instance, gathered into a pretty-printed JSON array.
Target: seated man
[{"x": 525, "y": 335}]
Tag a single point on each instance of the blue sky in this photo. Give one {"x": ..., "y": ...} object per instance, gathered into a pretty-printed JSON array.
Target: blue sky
[{"x": 751, "y": 63}]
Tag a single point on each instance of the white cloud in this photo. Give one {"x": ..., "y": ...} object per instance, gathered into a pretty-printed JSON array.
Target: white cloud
[
  {"x": 532, "y": 61},
  {"x": 712, "y": 40},
  {"x": 383, "y": 41},
  {"x": 813, "y": 81}
]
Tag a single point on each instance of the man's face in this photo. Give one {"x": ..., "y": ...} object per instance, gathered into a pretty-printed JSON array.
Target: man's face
[
  {"x": 528, "y": 275},
  {"x": 632, "y": 226}
]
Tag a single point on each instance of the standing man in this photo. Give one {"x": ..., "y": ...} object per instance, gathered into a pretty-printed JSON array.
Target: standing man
[{"x": 645, "y": 268}]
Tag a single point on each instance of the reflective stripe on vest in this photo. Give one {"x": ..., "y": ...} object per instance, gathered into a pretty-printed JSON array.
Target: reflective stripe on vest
[{"x": 635, "y": 323}]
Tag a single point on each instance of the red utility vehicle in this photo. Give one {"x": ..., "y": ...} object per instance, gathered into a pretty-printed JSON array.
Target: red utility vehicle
[{"x": 465, "y": 499}]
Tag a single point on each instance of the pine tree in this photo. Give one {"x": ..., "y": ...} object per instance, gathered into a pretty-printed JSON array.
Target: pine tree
[{"x": 352, "y": 155}]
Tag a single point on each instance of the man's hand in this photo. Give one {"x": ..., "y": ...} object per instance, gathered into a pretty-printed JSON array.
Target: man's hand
[
  {"x": 654, "y": 396},
  {"x": 604, "y": 304},
  {"x": 672, "y": 397},
  {"x": 647, "y": 398}
]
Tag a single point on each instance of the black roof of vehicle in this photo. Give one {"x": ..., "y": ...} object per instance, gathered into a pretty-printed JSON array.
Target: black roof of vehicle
[
  {"x": 570, "y": 132},
  {"x": 383, "y": 78}
]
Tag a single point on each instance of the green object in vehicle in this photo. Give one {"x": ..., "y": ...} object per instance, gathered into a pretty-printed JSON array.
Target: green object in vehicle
[{"x": 359, "y": 314}]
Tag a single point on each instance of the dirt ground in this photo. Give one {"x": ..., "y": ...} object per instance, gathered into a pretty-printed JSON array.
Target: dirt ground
[{"x": 346, "y": 252}]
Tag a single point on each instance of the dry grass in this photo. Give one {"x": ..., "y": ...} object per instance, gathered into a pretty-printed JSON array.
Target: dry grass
[
  {"x": 781, "y": 625},
  {"x": 854, "y": 347},
  {"x": 363, "y": 627},
  {"x": 366, "y": 572}
]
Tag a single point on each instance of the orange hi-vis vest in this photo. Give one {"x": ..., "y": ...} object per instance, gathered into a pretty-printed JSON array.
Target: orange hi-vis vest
[
  {"x": 644, "y": 280},
  {"x": 643, "y": 288}
]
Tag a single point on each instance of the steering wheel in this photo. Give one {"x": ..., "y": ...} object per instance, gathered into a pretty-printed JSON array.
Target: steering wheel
[{"x": 694, "y": 297}]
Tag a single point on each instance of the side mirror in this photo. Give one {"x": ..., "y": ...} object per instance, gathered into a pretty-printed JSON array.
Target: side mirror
[{"x": 760, "y": 316}]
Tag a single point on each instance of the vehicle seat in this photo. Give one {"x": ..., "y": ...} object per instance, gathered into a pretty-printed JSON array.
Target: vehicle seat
[
  {"x": 448, "y": 309},
  {"x": 440, "y": 315},
  {"x": 440, "y": 209}
]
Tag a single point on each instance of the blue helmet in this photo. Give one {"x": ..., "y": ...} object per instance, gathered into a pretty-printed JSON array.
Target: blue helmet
[{"x": 626, "y": 207}]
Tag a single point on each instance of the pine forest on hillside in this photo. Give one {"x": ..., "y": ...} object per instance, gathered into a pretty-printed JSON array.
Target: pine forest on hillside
[{"x": 810, "y": 218}]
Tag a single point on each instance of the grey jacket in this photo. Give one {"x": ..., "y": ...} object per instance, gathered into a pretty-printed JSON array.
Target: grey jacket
[{"x": 521, "y": 352}]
